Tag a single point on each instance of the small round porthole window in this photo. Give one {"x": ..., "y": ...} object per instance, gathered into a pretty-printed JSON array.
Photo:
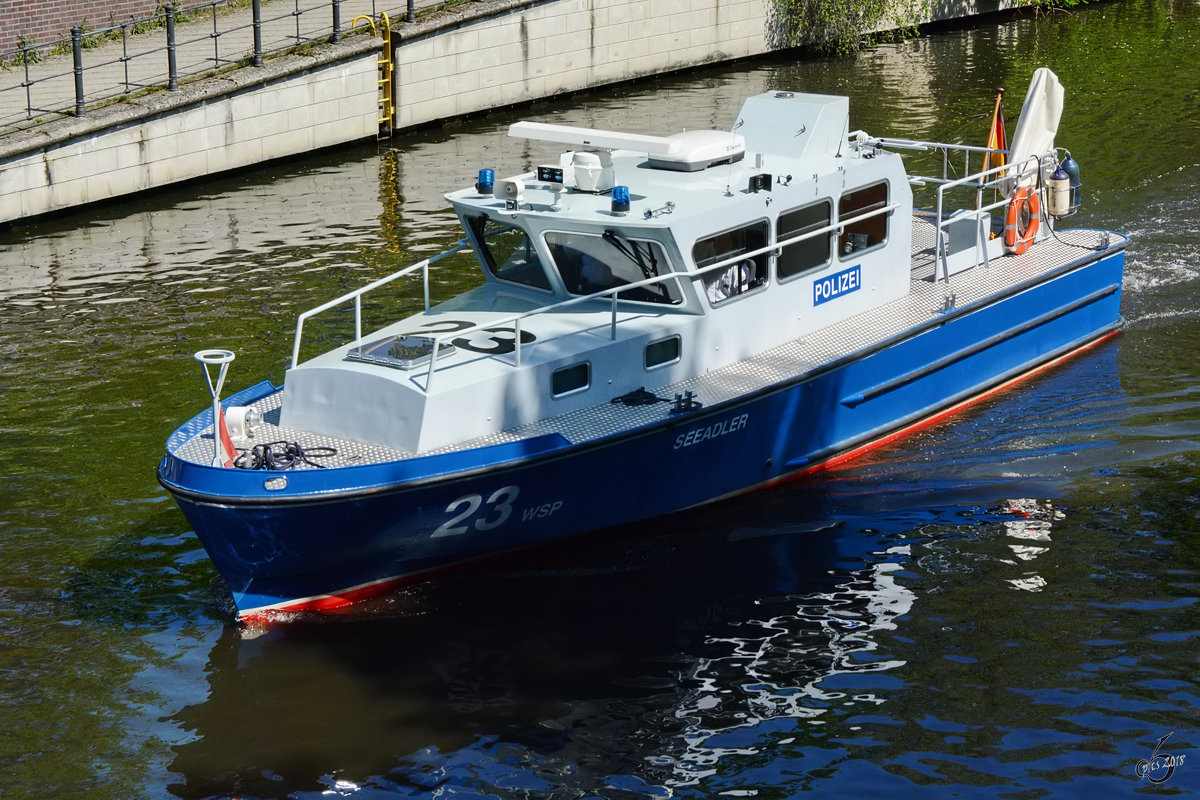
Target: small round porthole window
[
  {"x": 662, "y": 352},
  {"x": 569, "y": 380}
]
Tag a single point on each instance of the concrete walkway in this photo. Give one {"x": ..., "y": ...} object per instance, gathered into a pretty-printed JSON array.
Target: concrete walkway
[{"x": 114, "y": 68}]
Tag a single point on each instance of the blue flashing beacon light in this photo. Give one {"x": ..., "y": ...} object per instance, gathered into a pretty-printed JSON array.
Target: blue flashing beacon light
[
  {"x": 620, "y": 199},
  {"x": 487, "y": 179}
]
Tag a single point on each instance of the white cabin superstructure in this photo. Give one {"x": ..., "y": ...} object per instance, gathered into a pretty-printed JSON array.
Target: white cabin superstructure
[{"x": 680, "y": 256}]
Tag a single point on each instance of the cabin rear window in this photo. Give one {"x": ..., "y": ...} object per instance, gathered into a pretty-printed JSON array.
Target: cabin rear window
[
  {"x": 868, "y": 233},
  {"x": 588, "y": 263},
  {"x": 738, "y": 277},
  {"x": 809, "y": 254},
  {"x": 509, "y": 253}
]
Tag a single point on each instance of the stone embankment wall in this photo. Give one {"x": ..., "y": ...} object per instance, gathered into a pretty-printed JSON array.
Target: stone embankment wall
[
  {"x": 530, "y": 50},
  {"x": 511, "y": 51},
  {"x": 294, "y": 105}
]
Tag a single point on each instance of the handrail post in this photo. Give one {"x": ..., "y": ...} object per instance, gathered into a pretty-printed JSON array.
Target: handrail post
[
  {"x": 614, "y": 315},
  {"x": 412, "y": 11},
  {"x": 517, "y": 333},
  {"x": 125, "y": 53},
  {"x": 172, "y": 68},
  {"x": 981, "y": 240},
  {"x": 216, "y": 37},
  {"x": 437, "y": 345},
  {"x": 296, "y": 344},
  {"x": 939, "y": 253},
  {"x": 337, "y": 21},
  {"x": 258, "y": 51},
  {"x": 27, "y": 84},
  {"x": 77, "y": 57},
  {"x": 357, "y": 317}
]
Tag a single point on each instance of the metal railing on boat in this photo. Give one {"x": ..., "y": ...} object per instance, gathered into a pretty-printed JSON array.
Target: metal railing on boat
[
  {"x": 981, "y": 212},
  {"x": 612, "y": 294},
  {"x": 357, "y": 295},
  {"x": 1005, "y": 174}
]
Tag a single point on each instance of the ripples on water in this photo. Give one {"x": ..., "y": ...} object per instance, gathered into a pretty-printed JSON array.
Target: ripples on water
[{"x": 888, "y": 629}]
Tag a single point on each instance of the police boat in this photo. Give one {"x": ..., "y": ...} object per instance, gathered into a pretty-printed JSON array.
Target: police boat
[{"x": 662, "y": 322}]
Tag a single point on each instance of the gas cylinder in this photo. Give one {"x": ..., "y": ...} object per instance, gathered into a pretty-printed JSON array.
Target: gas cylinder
[
  {"x": 1060, "y": 193},
  {"x": 1070, "y": 166}
]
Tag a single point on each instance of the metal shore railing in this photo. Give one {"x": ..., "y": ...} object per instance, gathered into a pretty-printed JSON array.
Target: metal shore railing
[{"x": 44, "y": 81}]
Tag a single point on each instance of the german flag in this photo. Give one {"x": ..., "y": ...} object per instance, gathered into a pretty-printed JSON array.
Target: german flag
[{"x": 997, "y": 140}]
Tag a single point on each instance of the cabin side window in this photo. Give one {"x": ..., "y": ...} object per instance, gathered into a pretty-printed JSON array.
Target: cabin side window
[
  {"x": 588, "y": 263},
  {"x": 660, "y": 353},
  {"x": 741, "y": 276},
  {"x": 808, "y": 254},
  {"x": 868, "y": 233},
  {"x": 508, "y": 252},
  {"x": 569, "y": 380}
]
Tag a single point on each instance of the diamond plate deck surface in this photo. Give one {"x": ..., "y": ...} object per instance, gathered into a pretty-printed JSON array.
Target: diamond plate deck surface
[{"x": 924, "y": 301}]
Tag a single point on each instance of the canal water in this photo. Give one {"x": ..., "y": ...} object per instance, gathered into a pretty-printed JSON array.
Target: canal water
[{"x": 890, "y": 631}]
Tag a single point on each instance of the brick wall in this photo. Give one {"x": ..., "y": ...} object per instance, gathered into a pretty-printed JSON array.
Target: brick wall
[{"x": 47, "y": 20}]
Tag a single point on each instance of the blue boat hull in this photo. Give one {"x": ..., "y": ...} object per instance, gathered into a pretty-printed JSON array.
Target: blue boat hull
[{"x": 335, "y": 536}]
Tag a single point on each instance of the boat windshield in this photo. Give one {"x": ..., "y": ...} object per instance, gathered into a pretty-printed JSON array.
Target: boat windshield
[
  {"x": 509, "y": 253},
  {"x": 591, "y": 263}
]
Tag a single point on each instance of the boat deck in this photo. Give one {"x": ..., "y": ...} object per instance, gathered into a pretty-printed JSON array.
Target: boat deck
[{"x": 925, "y": 300}]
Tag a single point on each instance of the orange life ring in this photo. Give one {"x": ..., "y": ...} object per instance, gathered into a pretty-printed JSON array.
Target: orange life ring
[{"x": 1021, "y": 222}]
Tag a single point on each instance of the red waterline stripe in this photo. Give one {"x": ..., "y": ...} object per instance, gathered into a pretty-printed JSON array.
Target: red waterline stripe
[
  {"x": 334, "y": 603},
  {"x": 849, "y": 455},
  {"x": 341, "y": 601}
]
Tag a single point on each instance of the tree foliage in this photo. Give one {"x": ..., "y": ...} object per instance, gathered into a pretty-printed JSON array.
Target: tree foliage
[{"x": 842, "y": 26}]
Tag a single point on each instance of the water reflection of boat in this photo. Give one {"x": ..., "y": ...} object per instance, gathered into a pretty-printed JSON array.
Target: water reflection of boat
[
  {"x": 564, "y": 667},
  {"x": 665, "y": 321}
]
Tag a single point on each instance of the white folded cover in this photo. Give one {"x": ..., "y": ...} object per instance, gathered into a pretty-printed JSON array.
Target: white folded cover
[{"x": 1037, "y": 126}]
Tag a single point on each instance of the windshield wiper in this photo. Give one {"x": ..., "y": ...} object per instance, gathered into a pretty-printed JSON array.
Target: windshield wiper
[{"x": 634, "y": 253}]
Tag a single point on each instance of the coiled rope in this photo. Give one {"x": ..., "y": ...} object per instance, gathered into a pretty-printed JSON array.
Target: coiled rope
[{"x": 281, "y": 455}]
